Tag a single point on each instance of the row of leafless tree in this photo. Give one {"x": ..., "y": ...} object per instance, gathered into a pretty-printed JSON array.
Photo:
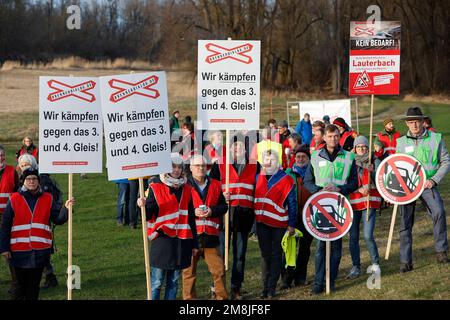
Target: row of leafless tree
[{"x": 304, "y": 42}]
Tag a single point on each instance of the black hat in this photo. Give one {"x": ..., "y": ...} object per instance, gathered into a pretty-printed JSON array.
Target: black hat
[
  {"x": 340, "y": 122},
  {"x": 30, "y": 172},
  {"x": 284, "y": 124},
  {"x": 303, "y": 149},
  {"x": 414, "y": 113}
]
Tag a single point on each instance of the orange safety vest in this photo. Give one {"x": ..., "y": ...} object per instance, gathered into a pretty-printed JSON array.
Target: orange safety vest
[
  {"x": 389, "y": 146},
  {"x": 6, "y": 187},
  {"x": 269, "y": 203},
  {"x": 241, "y": 187},
  {"x": 31, "y": 230},
  {"x": 209, "y": 226},
  {"x": 358, "y": 201},
  {"x": 173, "y": 216}
]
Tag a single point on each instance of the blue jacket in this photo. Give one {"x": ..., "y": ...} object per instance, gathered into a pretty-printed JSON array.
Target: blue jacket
[
  {"x": 304, "y": 129},
  {"x": 291, "y": 200}
]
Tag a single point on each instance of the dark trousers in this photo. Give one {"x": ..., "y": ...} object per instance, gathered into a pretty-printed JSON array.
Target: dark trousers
[
  {"x": 335, "y": 260},
  {"x": 299, "y": 273},
  {"x": 134, "y": 194},
  {"x": 239, "y": 241},
  {"x": 269, "y": 240},
  {"x": 123, "y": 203},
  {"x": 28, "y": 283}
]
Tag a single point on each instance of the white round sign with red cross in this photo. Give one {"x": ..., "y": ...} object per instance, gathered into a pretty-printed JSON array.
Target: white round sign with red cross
[
  {"x": 327, "y": 216},
  {"x": 400, "y": 179}
]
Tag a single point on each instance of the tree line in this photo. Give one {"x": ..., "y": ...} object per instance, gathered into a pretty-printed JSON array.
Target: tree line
[{"x": 305, "y": 43}]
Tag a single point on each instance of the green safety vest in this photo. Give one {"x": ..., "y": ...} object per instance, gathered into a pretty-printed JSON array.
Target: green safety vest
[
  {"x": 425, "y": 150},
  {"x": 336, "y": 172}
]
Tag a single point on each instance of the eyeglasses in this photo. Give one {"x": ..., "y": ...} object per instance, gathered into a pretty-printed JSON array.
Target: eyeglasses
[
  {"x": 31, "y": 179},
  {"x": 361, "y": 147}
]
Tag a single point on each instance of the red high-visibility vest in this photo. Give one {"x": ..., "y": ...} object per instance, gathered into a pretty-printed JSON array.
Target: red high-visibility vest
[
  {"x": 345, "y": 135},
  {"x": 313, "y": 146},
  {"x": 269, "y": 203},
  {"x": 6, "y": 187},
  {"x": 209, "y": 225},
  {"x": 173, "y": 216},
  {"x": 34, "y": 153},
  {"x": 358, "y": 201},
  {"x": 241, "y": 187},
  {"x": 389, "y": 146},
  {"x": 31, "y": 230}
]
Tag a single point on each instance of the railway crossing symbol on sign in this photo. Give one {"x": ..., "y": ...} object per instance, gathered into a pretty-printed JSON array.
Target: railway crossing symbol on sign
[
  {"x": 400, "y": 179},
  {"x": 327, "y": 216}
]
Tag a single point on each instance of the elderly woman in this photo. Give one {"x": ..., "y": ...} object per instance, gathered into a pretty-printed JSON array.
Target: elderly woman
[
  {"x": 28, "y": 148},
  {"x": 171, "y": 228},
  {"x": 25, "y": 235},
  {"x": 273, "y": 193}
]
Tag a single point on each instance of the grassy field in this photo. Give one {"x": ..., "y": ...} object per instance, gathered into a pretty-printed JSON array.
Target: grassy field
[{"x": 111, "y": 257}]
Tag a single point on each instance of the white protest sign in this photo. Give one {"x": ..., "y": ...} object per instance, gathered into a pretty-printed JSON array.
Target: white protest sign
[
  {"x": 228, "y": 85},
  {"x": 333, "y": 108},
  {"x": 136, "y": 121},
  {"x": 70, "y": 125}
]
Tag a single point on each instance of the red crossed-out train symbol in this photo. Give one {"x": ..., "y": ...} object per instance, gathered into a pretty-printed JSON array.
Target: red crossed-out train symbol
[
  {"x": 370, "y": 31},
  {"x": 79, "y": 91},
  {"x": 222, "y": 53},
  {"x": 127, "y": 89}
]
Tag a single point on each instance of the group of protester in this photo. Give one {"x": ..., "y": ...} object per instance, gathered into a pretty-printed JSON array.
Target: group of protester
[{"x": 270, "y": 177}]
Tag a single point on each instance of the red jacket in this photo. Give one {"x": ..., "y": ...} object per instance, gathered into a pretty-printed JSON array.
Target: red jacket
[
  {"x": 389, "y": 145},
  {"x": 7, "y": 185}
]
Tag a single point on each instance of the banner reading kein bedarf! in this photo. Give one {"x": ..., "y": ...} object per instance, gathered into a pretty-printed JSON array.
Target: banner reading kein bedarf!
[
  {"x": 136, "y": 122},
  {"x": 70, "y": 125},
  {"x": 374, "y": 58},
  {"x": 228, "y": 82}
]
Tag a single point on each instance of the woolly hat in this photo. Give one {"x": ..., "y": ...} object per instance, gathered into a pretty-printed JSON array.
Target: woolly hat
[
  {"x": 360, "y": 140},
  {"x": 386, "y": 121}
]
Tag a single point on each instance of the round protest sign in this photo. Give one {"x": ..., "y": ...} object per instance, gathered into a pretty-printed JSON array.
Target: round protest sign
[
  {"x": 400, "y": 179},
  {"x": 327, "y": 216}
]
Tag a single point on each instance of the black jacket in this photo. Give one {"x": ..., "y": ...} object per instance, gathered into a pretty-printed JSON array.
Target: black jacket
[
  {"x": 206, "y": 240},
  {"x": 33, "y": 258},
  {"x": 166, "y": 252}
]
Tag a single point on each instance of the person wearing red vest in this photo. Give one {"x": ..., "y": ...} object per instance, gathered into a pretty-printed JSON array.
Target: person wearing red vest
[
  {"x": 210, "y": 205},
  {"x": 358, "y": 200},
  {"x": 171, "y": 228},
  {"x": 347, "y": 134},
  {"x": 240, "y": 200},
  {"x": 317, "y": 141},
  {"x": 389, "y": 137},
  {"x": 9, "y": 180},
  {"x": 295, "y": 141},
  {"x": 276, "y": 211},
  {"x": 28, "y": 148},
  {"x": 25, "y": 235},
  {"x": 428, "y": 124}
]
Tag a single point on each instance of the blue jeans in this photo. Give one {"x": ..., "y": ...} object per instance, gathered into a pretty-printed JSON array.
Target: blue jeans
[
  {"x": 335, "y": 259},
  {"x": 123, "y": 199},
  {"x": 239, "y": 243},
  {"x": 171, "y": 277},
  {"x": 432, "y": 200},
  {"x": 369, "y": 228}
]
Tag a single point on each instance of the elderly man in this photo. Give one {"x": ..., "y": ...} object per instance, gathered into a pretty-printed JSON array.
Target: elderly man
[
  {"x": 429, "y": 148},
  {"x": 209, "y": 204}
]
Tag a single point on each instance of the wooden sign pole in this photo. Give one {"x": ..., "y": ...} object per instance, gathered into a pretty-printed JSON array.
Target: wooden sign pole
[
  {"x": 391, "y": 231},
  {"x": 327, "y": 265},
  {"x": 69, "y": 242},
  {"x": 145, "y": 240},
  {"x": 370, "y": 157}
]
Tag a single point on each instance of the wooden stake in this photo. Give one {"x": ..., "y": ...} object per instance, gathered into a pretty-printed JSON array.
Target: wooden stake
[
  {"x": 145, "y": 240},
  {"x": 69, "y": 242},
  {"x": 327, "y": 265},
  {"x": 227, "y": 189},
  {"x": 270, "y": 102},
  {"x": 370, "y": 157},
  {"x": 391, "y": 231}
]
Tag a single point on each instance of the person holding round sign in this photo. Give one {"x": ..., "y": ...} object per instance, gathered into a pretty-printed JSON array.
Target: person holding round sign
[
  {"x": 171, "y": 228},
  {"x": 331, "y": 169},
  {"x": 429, "y": 149},
  {"x": 358, "y": 200},
  {"x": 275, "y": 210}
]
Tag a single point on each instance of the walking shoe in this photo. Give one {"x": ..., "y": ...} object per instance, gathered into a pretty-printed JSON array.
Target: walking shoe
[
  {"x": 236, "y": 294},
  {"x": 406, "y": 267},
  {"x": 441, "y": 257},
  {"x": 355, "y": 272},
  {"x": 50, "y": 281}
]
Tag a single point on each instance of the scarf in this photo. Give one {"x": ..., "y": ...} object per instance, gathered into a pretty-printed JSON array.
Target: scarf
[
  {"x": 362, "y": 160},
  {"x": 299, "y": 170},
  {"x": 170, "y": 181}
]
